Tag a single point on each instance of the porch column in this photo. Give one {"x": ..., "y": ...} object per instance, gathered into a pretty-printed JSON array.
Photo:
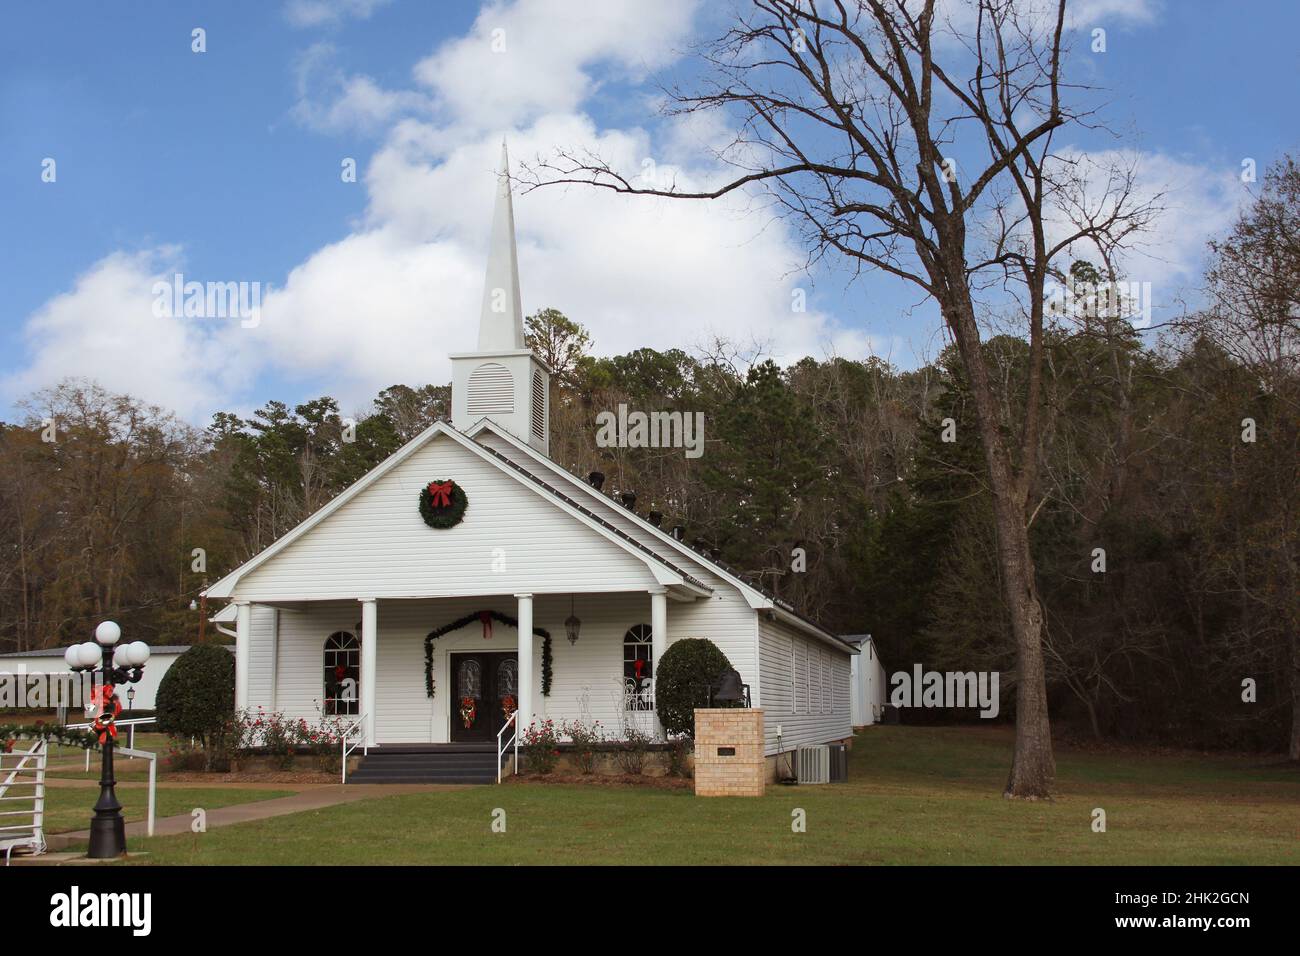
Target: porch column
[
  {"x": 369, "y": 659},
  {"x": 525, "y": 615},
  {"x": 243, "y": 648},
  {"x": 658, "y": 627}
]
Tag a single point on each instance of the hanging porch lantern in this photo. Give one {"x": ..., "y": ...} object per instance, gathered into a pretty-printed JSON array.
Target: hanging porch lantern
[{"x": 571, "y": 624}]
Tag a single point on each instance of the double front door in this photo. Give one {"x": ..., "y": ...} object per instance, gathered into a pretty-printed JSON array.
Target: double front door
[{"x": 485, "y": 692}]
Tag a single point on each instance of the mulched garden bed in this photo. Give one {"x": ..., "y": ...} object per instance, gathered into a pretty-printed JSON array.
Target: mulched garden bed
[
  {"x": 607, "y": 780},
  {"x": 251, "y": 776}
]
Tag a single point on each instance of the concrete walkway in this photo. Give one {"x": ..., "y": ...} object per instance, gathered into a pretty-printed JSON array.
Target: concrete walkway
[{"x": 311, "y": 797}]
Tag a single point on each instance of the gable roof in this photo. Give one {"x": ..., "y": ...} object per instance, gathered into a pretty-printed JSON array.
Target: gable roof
[
  {"x": 757, "y": 596},
  {"x": 665, "y": 572}
]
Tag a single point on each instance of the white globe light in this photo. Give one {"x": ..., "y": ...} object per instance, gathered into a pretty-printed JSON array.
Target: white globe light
[
  {"x": 72, "y": 656},
  {"x": 108, "y": 633},
  {"x": 137, "y": 653},
  {"x": 88, "y": 654},
  {"x": 119, "y": 655}
]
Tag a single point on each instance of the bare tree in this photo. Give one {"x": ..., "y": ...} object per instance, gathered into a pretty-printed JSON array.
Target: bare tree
[{"x": 921, "y": 145}]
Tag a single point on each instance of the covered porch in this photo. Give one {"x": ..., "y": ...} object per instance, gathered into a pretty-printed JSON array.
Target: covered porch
[{"x": 480, "y": 656}]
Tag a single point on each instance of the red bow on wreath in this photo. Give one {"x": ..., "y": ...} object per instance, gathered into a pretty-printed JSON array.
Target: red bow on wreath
[{"x": 440, "y": 493}]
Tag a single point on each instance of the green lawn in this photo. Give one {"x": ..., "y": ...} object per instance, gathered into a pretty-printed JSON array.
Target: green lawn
[
  {"x": 918, "y": 795},
  {"x": 70, "y": 808}
]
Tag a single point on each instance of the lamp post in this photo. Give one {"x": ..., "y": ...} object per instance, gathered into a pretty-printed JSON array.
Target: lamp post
[{"x": 107, "y": 828}]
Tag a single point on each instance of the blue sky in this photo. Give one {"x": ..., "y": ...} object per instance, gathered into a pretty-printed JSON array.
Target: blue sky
[{"x": 226, "y": 165}]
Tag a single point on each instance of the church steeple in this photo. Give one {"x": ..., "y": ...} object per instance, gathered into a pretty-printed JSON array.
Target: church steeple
[
  {"x": 503, "y": 380},
  {"x": 501, "y": 320}
]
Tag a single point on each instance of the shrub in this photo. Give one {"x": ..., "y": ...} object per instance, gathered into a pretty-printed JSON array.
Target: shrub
[
  {"x": 679, "y": 748},
  {"x": 585, "y": 741},
  {"x": 181, "y": 756},
  {"x": 539, "y": 745},
  {"x": 632, "y": 750},
  {"x": 196, "y": 697},
  {"x": 680, "y": 678}
]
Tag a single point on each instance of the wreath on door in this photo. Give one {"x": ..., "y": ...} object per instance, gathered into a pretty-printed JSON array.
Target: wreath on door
[
  {"x": 468, "y": 711},
  {"x": 443, "y": 504}
]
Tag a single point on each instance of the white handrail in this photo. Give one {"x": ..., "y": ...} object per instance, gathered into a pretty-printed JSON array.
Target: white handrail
[
  {"x": 501, "y": 746},
  {"x": 152, "y": 757},
  {"x": 130, "y": 723},
  {"x": 348, "y": 732}
]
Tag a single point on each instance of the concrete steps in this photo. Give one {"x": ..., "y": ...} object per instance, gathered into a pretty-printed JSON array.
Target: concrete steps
[{"x": 428, "y": 763}]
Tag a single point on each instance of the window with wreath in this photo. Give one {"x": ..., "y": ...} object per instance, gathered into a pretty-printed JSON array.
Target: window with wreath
[
  {"x": 638, "y": 668},
  {"x": 342, "y": 673}
]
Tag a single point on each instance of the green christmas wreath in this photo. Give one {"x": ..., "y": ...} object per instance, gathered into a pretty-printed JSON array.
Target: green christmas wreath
[{"x": 442, "y": 504}]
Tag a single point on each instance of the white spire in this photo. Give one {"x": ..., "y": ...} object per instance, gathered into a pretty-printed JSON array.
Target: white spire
[{"x": 501, "y": 322}]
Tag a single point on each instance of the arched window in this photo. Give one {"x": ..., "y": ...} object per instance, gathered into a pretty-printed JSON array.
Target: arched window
[
  {"x": 470, "y": 679},
  {"x": 638, "y": 668},
  {"x": 508, "y": 679},
  {"x": 342, "y": 673}
]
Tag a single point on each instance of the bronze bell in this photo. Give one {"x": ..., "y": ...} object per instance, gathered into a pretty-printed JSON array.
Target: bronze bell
[{"x": 730, "y": 690}]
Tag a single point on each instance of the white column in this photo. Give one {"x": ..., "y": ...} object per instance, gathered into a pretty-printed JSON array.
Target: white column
[
  {"x": 275, "y": 656},
  {"x": 243, "y": 648},
  {"x": 658, "y": 626},
  {"x": 369, "y": 659},
  {"x": 525, "y": 615}
]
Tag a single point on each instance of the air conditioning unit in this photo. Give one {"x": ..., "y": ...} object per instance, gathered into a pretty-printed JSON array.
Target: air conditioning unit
[{"x": 814, "y": 763}]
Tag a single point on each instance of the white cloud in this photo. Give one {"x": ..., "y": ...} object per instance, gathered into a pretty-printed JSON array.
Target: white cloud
[
  {"x": 105, "y": 328},
  {"x": 1194, "y": 203},
  {"x": 316, "y": 13},
  {"x": 330, "y": 100},
  {"x": 525, "y": 59}
]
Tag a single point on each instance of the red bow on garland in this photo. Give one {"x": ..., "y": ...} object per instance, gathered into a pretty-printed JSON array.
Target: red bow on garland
[
  {"x": 485, "y": 618},
  {"x": 440, "y": 493},
  {"x": 109, "y": 707}
]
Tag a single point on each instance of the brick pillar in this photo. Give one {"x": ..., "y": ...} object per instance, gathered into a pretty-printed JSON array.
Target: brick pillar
[{"x": 729, "y": 753}]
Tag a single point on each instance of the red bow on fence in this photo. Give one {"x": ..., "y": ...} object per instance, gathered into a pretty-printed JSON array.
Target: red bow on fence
[{"x": 440, "y": 493}]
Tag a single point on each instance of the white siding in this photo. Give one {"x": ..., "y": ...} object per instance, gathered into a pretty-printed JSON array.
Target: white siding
[
  {"x": 261, "y": 666},
  {"x": 870, "y": 685},
  {"x": 810, "y": 701},
  {"x": 512, "y": 539}
]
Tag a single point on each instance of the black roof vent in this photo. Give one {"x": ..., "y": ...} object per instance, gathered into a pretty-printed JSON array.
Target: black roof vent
[
  {"x": 596, "y": 479},
  {"x": 629, "y": 500},
  {"x": 656, "y": 518},
  {"x": 679, "y": 531}
]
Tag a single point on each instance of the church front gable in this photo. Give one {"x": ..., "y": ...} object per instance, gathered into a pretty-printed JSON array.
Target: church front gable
[{"x": 510, "y": 539}]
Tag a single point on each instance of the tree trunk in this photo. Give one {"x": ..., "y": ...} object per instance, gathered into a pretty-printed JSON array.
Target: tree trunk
[
  {"x": 1033, "y": 769},
  {"x": 1293, "y": 751}
]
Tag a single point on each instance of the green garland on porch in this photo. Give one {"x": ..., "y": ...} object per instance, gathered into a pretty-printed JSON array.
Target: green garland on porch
[
  {"x": 546, "y": 665},
  {"x": 470, "y": 619}
]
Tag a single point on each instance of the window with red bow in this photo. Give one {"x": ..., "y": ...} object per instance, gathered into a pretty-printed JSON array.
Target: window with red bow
[
  {"x": 638, "y": 668},
  {"x": 342, "y": 674}
]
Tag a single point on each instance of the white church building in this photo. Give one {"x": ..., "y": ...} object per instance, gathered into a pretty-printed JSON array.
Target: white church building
[{"x": 469, "y": 575}]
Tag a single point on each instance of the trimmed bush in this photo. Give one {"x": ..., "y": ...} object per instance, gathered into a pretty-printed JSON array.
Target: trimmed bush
[
  {"x": 681, "y": 677},
  {"x": 196, "y": 697}
]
